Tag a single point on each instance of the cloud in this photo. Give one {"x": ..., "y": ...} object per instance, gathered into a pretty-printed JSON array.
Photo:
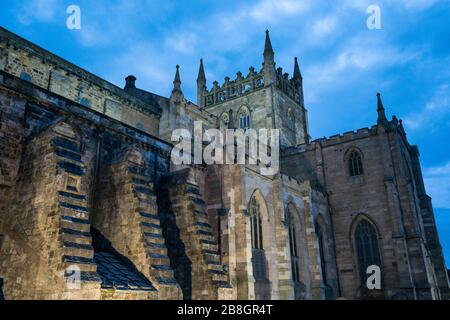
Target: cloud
[
  {"x": 186, "y": 42},
  {"x": 324, "y": 26},
  {"x": 140, "y": 60},
  {"x": 412, "y": 5},
  {"x": 40, "y": 11},
  {"x": 437, "y": 182},
  {"x": 418, "y": 4},
  {"x": 435, "y": 110},
  {"x": 358, "y": 55},
  {"x": 273, "y": 10}
]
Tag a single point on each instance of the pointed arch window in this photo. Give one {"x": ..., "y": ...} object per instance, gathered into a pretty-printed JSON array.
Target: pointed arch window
[
  {"x": 258, "y": 254},
  {"x": 293, "y": 247},
  {"x": 244, "y": 118},
  {"x": 323, "y": 264},
  {"x": 256, "y": 225},
  {"x": 355, "y": 164},
  {"x": 291, "y": 120},
  {"x": 367, "y": 250}
]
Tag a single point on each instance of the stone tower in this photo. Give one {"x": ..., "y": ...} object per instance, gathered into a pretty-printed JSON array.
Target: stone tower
[{"x": 267, "y": 98}]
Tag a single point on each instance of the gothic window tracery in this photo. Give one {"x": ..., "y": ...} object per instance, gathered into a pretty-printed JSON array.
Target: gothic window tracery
[
  {"x": 367, "y": 250},
  {"x": 256, "y": 225},
  {"x": 321, "y": 240},
  {"x": 293, "y": 246},
  {"x": 244, "y": 118},
  {"x": 258, "y": 254},
  {"x": 355, "y": 164}
]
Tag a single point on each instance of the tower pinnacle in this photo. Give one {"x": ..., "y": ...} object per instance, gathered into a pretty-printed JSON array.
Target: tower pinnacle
[
  {"x": 201, "y": 72},
  {"x": 201, "y": 84},
  {"x": 380, "y": 109},
  {"x": 297, "y": 73},
  {"x": 269, "y": 62},
  {"x": 177, "y": 93},
  {"x": 268, "y": 50},
  {"x": 177, "y": 81}
]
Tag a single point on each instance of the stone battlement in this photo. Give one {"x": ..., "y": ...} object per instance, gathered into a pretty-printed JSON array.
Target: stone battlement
[
  {"x": 347, "y": 136},
  {"x": 231, "y": 89}
]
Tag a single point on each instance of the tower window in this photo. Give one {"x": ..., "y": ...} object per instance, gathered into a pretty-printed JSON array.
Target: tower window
[
  {"x": 355, "y": 164},
  {"x": 258, "y": 254},
  {"x": 366, "y": 242},
  {"x": 244, "y": 119},
  {"x": 291, "y": 120},
  {"x": 323, "y": 265},
  {"x": 256, "y": 226},
  {"x": 293, "y": 247}
]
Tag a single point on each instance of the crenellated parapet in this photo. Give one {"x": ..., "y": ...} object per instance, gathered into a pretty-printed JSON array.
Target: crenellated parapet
[
  {"x": 232, "y": 89},
  {"x": 243, "y": 85},
  {"x": 288, "y": 86},
  {"x": 253, "y": 81}
]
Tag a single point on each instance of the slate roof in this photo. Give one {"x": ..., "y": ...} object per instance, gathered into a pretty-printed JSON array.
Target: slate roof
[
  {"x": 116, "y": 271},
  {"x": 119, "y": 274}
]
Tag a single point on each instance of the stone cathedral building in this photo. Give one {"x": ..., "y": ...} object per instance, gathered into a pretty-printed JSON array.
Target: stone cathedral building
[{"x": 92, "y": 207}]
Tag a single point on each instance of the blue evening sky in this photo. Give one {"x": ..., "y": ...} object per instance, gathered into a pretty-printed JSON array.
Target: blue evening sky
[{"x": 343, "y": 63}]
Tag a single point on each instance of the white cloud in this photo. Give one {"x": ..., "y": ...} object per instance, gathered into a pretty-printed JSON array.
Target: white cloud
[
  {"x": 437, "y": 181},
  {"x": 271, "y": 10},
  {"x": 186, "y": 42},
  {"x": 40, "y": 10},
  {"x": 418, "y": 4},
  {"x": 434, "y": 111},
  {"x": 139, "y": 60},
  {"x": 360, "y": 54},
  {"x": 324, "y": 26}
]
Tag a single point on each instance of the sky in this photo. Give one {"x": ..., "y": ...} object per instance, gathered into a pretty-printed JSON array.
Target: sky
[{"x": 343, "y": 62}]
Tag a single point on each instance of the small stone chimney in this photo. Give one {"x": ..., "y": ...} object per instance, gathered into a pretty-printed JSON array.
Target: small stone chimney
[{"x": 130, "y": 82}]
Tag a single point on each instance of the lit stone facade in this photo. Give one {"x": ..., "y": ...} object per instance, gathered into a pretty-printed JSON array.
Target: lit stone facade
[{"x": 88, "y": 192}]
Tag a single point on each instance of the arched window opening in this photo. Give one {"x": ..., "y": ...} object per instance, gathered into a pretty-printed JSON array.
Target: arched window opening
[
  {"x": 368, "y": 253},
  {"x": 256, "y": 225},
  {"x": 244, "y": 118},
  {"x": 291, "y": 126},
  {"x": 291, "y": 120},
  {"x": 323, "y": 265},
  {"x": 262, "y": 284},
  {"x": 293, "y": 247},
  {"x": 355, "y": 164},
  {"x": 258, "y": 254}
]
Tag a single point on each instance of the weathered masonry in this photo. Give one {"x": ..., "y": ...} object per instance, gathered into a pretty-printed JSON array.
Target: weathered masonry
[{"x": 91, "y": 206}]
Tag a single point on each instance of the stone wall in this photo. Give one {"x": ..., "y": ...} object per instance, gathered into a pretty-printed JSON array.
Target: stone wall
[
  {"x": 53, "y": 162},
  {"x": 385, "y": 194},
  {"x": 27, "y": 61}
]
